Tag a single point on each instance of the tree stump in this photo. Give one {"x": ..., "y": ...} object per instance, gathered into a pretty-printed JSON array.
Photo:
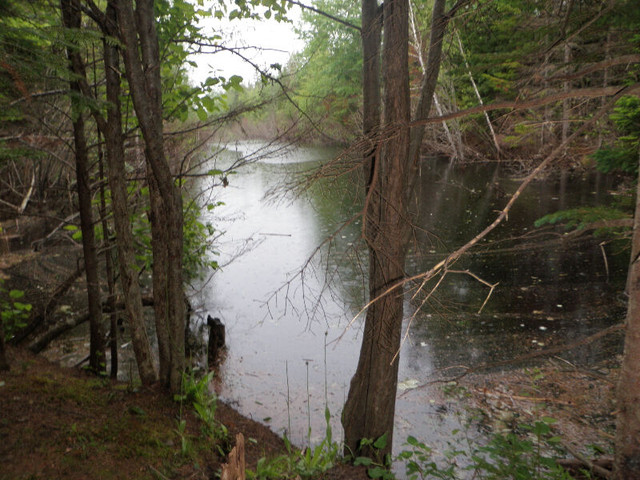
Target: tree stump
[
  {"x": 234, "y": 469},
  {"x": 216, "y": 339}
]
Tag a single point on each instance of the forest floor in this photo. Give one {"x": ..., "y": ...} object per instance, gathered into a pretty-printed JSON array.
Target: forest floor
[{"x": 62, "y": 423}]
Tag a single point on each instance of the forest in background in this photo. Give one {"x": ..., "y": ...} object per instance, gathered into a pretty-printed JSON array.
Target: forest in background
[
  {"x": 101, "y": 129},
  {"x": 555, "y": 59}
]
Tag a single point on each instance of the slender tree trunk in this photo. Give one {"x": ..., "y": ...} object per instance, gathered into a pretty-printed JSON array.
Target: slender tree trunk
[
  {"x": 417, "y": 41},
  {"x": 565, "y": 102},
  {"x": 159, "y": 241},
  {"x": 142, "y": 61},
  {"x": 72, "y": 19},
  {"x": 124, "y": 237},
  {"x": 627, "y": 456},
  {"x": 109, "y": 270},
  {"x": 478, "y": 96},
  {"x": 4, "y": 364},
  {"x": 439, "y": 22}
]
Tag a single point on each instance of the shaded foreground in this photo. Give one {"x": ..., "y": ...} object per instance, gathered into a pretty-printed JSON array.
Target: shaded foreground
[{"x": 58, "y": 423}]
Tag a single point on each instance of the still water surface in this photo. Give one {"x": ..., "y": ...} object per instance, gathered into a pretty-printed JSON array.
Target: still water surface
[{"x": 288, "y": 305}]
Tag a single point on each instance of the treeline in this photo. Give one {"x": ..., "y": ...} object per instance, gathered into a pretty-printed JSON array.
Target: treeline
[{"x": 559, "y": 58}]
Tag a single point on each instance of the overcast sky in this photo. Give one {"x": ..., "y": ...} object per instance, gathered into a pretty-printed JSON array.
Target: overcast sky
[{"x": 267, "y": 42}]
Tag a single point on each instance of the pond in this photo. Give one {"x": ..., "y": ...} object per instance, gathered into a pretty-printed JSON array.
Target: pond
[{"x": 292, "y": 283}]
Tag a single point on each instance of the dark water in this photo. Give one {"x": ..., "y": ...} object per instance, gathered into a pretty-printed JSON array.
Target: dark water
[{"x": 288, "y": 296}]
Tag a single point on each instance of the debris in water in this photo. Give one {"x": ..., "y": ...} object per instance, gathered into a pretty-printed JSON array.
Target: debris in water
[{"x": 408, "y": 384}]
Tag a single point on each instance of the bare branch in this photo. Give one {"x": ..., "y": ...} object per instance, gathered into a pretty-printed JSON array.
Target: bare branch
[
  {"x": 616, "y": 91},
  {"x": 325, "y": 14}
]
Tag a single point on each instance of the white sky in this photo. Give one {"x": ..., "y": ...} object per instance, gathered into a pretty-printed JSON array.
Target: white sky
[{"x": 271, "y": 42}]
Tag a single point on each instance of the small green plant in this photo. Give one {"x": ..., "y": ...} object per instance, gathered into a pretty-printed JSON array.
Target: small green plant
[
  {"x": 196, "y": 392},
  {"x": 529, "y": 457},
  {"x": 181, "y": 431},
  {"x": 535, "y": 375},
  {"x": 419, "y": 462},
  {"x": 306, "y": 463},
  {"x": 13, "y": 312},
  {"x": 375, "y": 469},
  {"x": 198, "y": 239}
]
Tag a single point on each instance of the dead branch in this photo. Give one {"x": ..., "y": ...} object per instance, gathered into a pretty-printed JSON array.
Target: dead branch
[
  {"x": 612, "y": 62},
  {"x": 591, "y": 465},
  {"x": 615, "y": 91},
  {"x": 53, "y": 301}
]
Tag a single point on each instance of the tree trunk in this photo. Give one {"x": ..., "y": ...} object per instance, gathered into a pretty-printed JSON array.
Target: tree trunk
[
  {"x": 72, "y": 19},
  {"x": 109, "y": 270},
  {"x": 627, "y": 455},
  {"x": 4, "y": 364},
  {"x": 142, "y": 61},
  {"x": 565, "y": 102},
  {"x": 369, "y": 410},
  {"x": 124, "y": 237},
  {"x": 370, "y": 406},
  {"x": 160, "y": 260}
]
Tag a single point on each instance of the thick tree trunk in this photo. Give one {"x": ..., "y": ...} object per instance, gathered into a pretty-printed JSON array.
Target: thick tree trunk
[
  {"x": 142, "y": 60},
  {"x": 72, "y": 19},
  {"x": 124, "y": 237},
  {"x": 370, "y": 406},
  {"x": 627, "y": 456},
  {"x": 369, "y": 410}
]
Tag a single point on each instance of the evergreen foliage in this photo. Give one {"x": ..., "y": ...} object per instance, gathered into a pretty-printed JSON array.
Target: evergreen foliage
[{"x": 624, "y": 154}]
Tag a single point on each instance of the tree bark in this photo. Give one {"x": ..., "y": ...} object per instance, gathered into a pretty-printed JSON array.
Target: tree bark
[
  {"x": 72, "y": 19},
  {"x": 124, "y": 237},
  {"x": 110, "y": 273},
  {"x": 142, "y": 61},
  {"x": 627, "y": 454},
  {"x": 4, "y": 364},
  {"x": 369, "y": 410}
]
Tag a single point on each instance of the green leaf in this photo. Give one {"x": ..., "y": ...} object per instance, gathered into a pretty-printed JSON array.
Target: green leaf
[
  {"x": 377, "y": 472},
  {"x": 209, "y": 103},
  {"x": 14, "y": 294},
  {"x": 381, "y": 442},
  {"x": 366, "y": 461},
  {"x": 202, "y": 114}
]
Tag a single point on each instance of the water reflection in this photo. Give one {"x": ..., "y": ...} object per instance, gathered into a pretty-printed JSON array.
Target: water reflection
[{"x": 289, "y": 348}]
